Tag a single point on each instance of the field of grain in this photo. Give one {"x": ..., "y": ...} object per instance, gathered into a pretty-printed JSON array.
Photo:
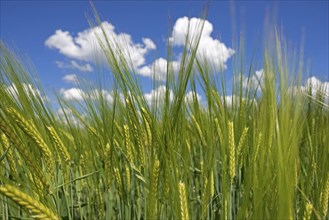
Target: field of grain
[{"x": 261, "y": 153}]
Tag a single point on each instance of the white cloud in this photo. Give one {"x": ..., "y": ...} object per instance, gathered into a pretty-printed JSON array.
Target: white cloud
[
  {"x": 75, "y": 65},
  {"x": 149, "y": 43},
  {"x": 29, "y": 90},
  {"x": 316, "y": 86},
  {"x": 67, "y": 116},
  {"x": 105, "y": 95},
  {"x": 158, "y": 69},
  {"x": 83, "y": 68},
  {"x": 210, "y": 49},
  {"x": 255, "y": 81},
  {"x": 72, "y": 94},
  {"x": 79, "y": 95},
  {"x": 84, "y": 46},
  {"x": 71, "y": 78},
  {"x": 157, "y": 95},
  {"x": 189, "y": 97}
]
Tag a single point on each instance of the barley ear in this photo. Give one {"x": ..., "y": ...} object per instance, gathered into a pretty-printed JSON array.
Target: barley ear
[
  {"x": 153, "y": 189},
  {"x": 128, "y": 144},
  {"x": 325, "y": 197},
  {"x": 10, "y": 156},
  {"x": 308, "y": 211},
  {"x": 59, "y": 144},
  {"x": 37, "y": 209},
  {"x": 183, "y": 201},
  {"x": 200, "y": 133},
  {"x": 241, "y": 143}
]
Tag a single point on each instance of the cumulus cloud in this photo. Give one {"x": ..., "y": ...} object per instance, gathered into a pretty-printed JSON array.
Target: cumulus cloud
[
  {"x": 107, "y": 95},
  {"x": 316, "y": 86},
  {"x": 72, "y": 94},
  {"x": 158, "y": 95},
  {"x": 255, "y": 81},
  {"x": 189, "y": 97},
  {"x": 83, "y": 68},
  {"x": 210, "y": 49},
  {"x": 75, "y": 65},
  {"x": 29, "y": 89},
  {"x": 158, "y": 69},
  {"x": 84, "y": 45},
  {"x": 68, "y": 117},
  {"x": 79, "y": 95},
  {"x": 71, "y": 78}
]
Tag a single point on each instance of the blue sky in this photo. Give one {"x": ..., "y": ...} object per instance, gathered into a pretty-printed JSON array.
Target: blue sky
[{"x": 28, "y": 26}]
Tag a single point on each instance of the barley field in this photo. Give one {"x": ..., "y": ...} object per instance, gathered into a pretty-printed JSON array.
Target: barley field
[{"x": 259, "y": 151}]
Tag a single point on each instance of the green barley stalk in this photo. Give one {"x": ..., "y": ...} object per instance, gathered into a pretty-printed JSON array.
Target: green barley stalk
[{"x": 231, "y": 150}]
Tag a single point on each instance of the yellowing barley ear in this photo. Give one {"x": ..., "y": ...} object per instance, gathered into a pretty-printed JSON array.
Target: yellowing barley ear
[
  {"x": 308, "y": 211},
  {"x": 212, "y": 184},
  {"x": 154, "y": 175},
  {"x": 204, "y": 199},
  {"x": 140, "y": 147},
  {"x": 148, "y": 124},
  {"x": 128, "y": 144},
  {"x": 37, "y": 209},
  {"x": 10, "y": 156},
  {"x": 30, "y": 130},
  {"x": 324, "y": 197},
  {"x": 231, "y": 150},
  {"x": 59, "y": 144},
  {"x": 200, "y": 133},
  {"x": 118, "y": 180},
  {"x": 107, "y": 165},
  {"x": 241, "y": 143},
  {"x": 23, "y": 152},
  {"x": 183, "y": 201}
]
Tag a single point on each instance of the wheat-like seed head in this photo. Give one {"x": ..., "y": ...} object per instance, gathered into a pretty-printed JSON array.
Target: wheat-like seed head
[
  {"x": 183, "y": 201},
  {"x": 10, "y": 156},
  {"x": 37, "y": 209},
  {"x": 219, "y": 131},
  {"x": 167, "y": 178},
  {"x": 308, "y": 211},
  {"x": 30, "y": 130},
  {"x": 140, "y": 147},
  {"x": 200, "y": 133},
  {"x": 148, "y": 123},
  {"x": 128, "y": 144},
  {"x": 107, "y": 164},
  {"x": 212, "y": 184},
  {"x": 61, "y": 147},
  {"x": 204, "y": 199},
  {"x": 118, "y": 179},
  {"x": 23, "y": 152},
  {"x": 241, "y": 143},
  {"x": 325, "y": 197},
  {"x": 153, "y": 189}
]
